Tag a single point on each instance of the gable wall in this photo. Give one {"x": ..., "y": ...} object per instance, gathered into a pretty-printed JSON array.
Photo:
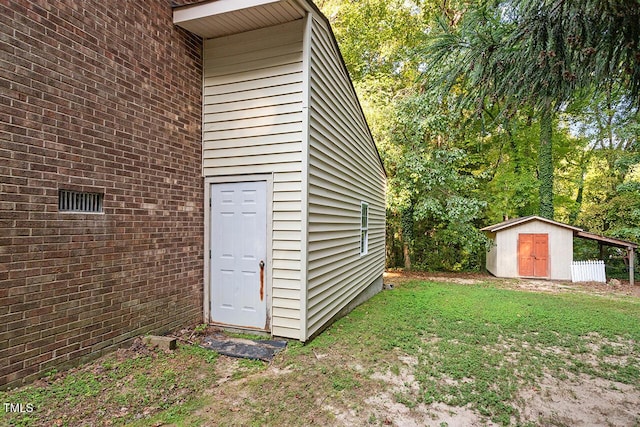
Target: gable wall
[
  {"x": 253, "y": 84},
  {"x": 344, "y": 170},
  {"x": 102, "y": 99}
]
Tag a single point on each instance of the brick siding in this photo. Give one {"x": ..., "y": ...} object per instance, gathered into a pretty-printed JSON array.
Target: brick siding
[{"x": 103, "y": 97}]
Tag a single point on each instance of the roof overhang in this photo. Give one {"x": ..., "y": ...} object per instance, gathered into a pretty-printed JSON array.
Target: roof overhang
[
  {"x": 517, "y": 221},
  {"x": 577, "y": 232},
  {"x": 218, "y": 18},
  {"x": 607, "y": 241}
]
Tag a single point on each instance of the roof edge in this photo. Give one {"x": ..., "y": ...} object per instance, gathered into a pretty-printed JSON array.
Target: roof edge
[
  {"x": 522, "y": 220},
  {"x": 578, "y": 232},
  {"x": 322, "y": 16},
  {"x": 611, "y": 241}
]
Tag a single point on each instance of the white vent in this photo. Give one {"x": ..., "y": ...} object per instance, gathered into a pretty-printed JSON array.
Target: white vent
[{"x": 79, "y": 201}]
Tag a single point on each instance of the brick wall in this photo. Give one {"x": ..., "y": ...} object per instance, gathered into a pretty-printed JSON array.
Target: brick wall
[{"x": 102, "y": 97}]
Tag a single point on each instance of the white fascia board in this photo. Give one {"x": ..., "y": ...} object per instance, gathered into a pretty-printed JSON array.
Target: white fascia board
[
  {"x": 304, "y": 4},
  {"x": 217, "y": 7}
]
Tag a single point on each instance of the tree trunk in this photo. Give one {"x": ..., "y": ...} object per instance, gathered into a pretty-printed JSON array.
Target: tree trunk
[
  {"x": 545, "y": 164},
  {"x": 576, "y": 210},
  {"x": 405, "y": 250},
  {"x": 407, "y": 256},
  {"x": 407, "y": 235}
]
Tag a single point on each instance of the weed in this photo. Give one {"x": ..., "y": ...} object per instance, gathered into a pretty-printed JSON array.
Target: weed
[
  {"x": 251, "y": 364},
  {"x": 395, "y": 369},
  {"x": 247, "y": 367},
  {"x": 200, "y": 329},
  {"x": 405, "y": 399},
  {"x": 209, "y": 356},
  {"x": 343, "y": 381}
]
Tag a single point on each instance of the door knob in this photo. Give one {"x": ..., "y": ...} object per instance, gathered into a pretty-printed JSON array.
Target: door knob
[{"x": 261, "y": 264}]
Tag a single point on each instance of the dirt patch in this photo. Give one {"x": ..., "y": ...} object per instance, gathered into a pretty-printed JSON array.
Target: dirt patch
[
  {"x": 615, "y": 288},
  {"x": 580, "y": 400},
  {"x": 327, "y": 385},
  {"x": 395, "y": 405}
]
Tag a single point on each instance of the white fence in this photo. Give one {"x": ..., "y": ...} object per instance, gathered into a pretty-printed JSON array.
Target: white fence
[{"x": 588, "y": 271}]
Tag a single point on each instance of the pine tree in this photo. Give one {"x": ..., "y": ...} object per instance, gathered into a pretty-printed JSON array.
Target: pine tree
[{"x": 539, "y": 54}]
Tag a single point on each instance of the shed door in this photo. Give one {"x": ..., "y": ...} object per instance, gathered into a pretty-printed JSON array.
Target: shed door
[
  {"x": 533, "y": 255},
  {"x": 238, "y": 254}
]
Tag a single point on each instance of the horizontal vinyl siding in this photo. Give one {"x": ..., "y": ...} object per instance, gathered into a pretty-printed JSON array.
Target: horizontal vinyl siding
[
  {"x": 253, "y": 124},
  {"x": 344, "y": 169},
  {"x": 253, "y": 102}
]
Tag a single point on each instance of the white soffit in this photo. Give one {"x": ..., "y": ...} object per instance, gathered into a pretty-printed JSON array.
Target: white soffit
[{"x": 219, "y": 18}]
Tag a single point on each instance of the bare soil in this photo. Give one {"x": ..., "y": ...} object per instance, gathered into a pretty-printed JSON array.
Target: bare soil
[
  {"x": 304, "y": 390},
  {"x": 577, "y": 400},
  {"x": 614, "y": 288}
]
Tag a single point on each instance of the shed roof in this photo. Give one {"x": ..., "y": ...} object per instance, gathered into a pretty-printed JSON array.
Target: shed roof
[
  {"x": 218, "y": 18},
  {"x": 517, "y": 221},
  {"x": 577, "y": 232},
  {"x": 609, "y": 241}
]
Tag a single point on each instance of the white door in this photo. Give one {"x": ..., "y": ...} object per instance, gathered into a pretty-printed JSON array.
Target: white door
[{"x": 238, "y": 254}]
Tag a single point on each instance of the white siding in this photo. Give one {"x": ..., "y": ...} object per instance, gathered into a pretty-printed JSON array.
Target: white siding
[
  {"x": 344, "y": 170},
  {"x": 560, "y": 249},
  {"x": 252, "y": 123}
]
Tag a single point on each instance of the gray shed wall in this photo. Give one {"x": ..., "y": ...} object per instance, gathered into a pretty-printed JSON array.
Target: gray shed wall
[{"x": 560, "y": 249}]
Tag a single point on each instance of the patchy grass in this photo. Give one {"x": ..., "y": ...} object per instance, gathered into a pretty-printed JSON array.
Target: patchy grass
[
  {"x": 427, "y": 350},
  {"x": 117, "y": 389},
  {"x": 424, "y": 353},
  {"x": 477, "y": 346}
]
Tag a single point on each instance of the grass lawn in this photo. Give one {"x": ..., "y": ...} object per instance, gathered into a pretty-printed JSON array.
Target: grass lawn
[{"x": 424, "y": 353}]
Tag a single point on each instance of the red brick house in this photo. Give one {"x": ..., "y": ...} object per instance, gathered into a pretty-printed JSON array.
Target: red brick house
[
  {"x": 135, "y": 135},
  {"x": 101, "y": 110}
]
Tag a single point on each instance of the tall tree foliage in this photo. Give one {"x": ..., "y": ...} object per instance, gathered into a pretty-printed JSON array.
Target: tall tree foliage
[
  {"x": 462, "y": 147},
  {"x": 432, "y": 191},
  {"x": 540, "y": 54},
  {"x": 378, "y": 37},
  {"x": 612, "y": 182}
]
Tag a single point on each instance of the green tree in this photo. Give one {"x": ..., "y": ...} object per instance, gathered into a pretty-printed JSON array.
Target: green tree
[
  {"x": 611, "y": 125},
  {"x": 432, "y": 192},
  {"x": 539, "y": 54},
  {"x": 461, "y": 147},
  {"x": 379, "y": 37}
]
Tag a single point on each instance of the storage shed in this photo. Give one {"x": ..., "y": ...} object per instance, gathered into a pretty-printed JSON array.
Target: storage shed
[
  {"x": 533, "y": 246},
  {"x": 294, "y": 185}
]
